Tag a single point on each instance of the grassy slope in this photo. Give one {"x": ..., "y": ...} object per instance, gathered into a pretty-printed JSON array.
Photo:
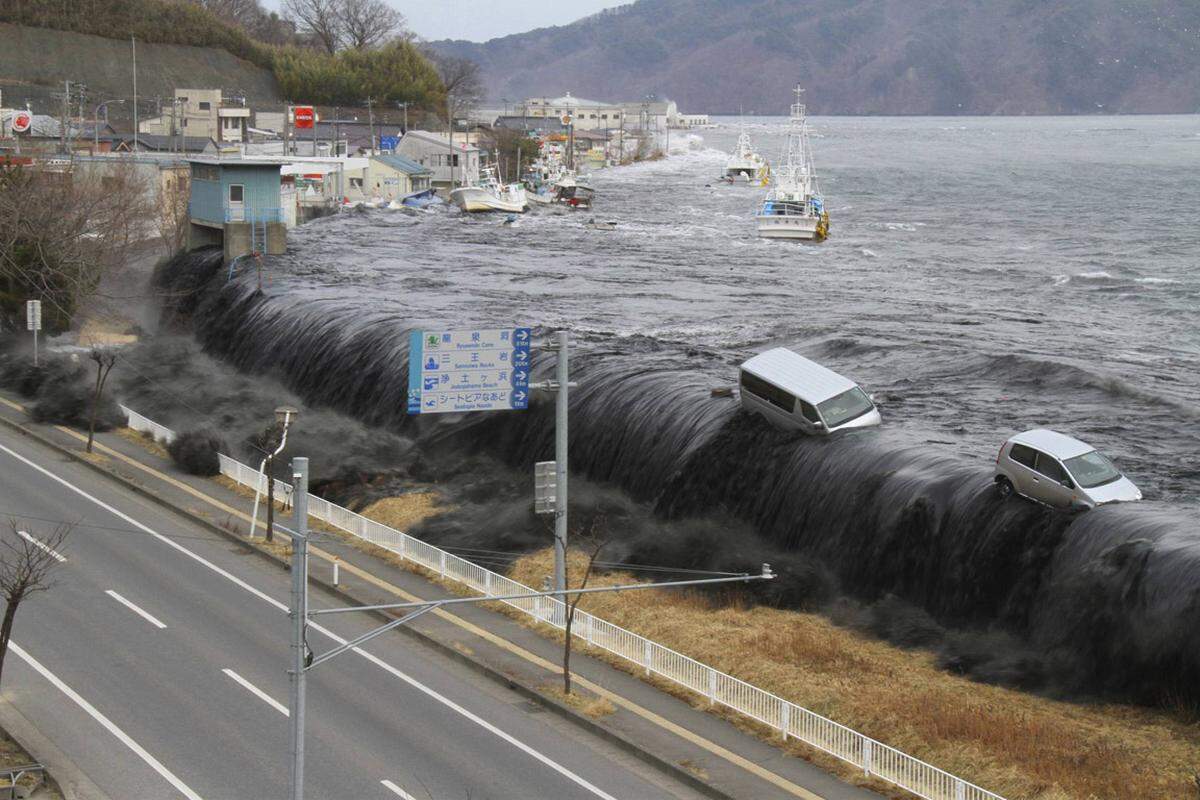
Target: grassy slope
[
  {"x": 35, "y": 61},
  {"x": 1021, "y": 746}
]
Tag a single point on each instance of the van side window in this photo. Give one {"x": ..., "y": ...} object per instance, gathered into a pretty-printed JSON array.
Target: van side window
[
  {"x": 769, "y": 392},
  {"x": 809, "y": 412},
  {"x": 1050, "y": 468},
  {"x": 1023, "y": 455}
]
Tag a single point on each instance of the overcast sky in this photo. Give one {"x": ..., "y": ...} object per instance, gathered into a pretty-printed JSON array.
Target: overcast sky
[{"x": 480, "y": 20}]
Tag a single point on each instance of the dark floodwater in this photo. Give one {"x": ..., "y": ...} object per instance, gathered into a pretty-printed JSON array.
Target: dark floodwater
[{"x": 984, "y": 276}]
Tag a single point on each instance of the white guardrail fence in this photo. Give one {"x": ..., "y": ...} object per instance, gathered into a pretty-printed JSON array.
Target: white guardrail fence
[{"x": 873, "y": 758}]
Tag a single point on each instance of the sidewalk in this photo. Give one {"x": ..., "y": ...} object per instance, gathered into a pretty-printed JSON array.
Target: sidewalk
[{"x": 663, "y": 730}]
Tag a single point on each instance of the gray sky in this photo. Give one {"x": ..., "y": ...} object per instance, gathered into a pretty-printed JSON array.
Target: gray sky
[{"x": 480, "y": 20}]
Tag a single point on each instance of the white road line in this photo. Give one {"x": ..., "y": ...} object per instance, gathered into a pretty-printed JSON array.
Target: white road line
[
  {"x": 146, "y": 615},
  {"x": 552, "y": 764},
  {"x": 112, "y": 728},
  {"x": 257, "y": 692},
  {"x": 61, "y": 558},
  {"x": 403, "y": 794}
]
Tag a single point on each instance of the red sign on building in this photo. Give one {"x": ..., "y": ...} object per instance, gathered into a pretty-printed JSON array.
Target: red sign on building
[
  {"x": 304, "y": 116},
  {"x": 21, "y": 121}
]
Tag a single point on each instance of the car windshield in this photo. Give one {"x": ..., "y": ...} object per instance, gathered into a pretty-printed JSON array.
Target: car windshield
[
  {"x": 845, "y": 407},
  {"x": 1092, "y": 469}
]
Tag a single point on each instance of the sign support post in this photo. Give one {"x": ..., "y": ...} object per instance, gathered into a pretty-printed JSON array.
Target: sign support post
[
  {"x": 33, "y": 322},
  {"x": 560, "y": 459}
]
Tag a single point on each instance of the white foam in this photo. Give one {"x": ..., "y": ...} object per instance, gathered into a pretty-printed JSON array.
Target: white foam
[{"x": 1092, "y": 276}]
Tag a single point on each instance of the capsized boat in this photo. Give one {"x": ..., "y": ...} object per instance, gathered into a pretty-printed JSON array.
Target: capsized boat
[
  {"x": 744, "y": 161},
  {"x": 573, "y": 190},
  {"x": 490, "y": 194},
  {"x": 422, "y": 199},
  {"x": 794, "y": 207}
]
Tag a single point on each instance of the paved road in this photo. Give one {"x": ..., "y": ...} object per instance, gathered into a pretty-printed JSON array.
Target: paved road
[{"x": 158, "y": 664}]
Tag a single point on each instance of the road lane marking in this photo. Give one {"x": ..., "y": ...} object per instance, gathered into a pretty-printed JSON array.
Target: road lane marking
[
  {"x": 257, "y": 692},
  {"x": 111, "y": 726},
  {"x": 146, "y": 615},
  {"x": 549, "y": 762},
  {"x": 403, "y": 794},
  {"x": 44, "y": 548},
  {"x": 620, "y": 700}
]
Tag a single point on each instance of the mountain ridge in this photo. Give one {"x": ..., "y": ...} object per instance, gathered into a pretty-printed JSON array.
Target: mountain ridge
[{"x": 944, "y": 57}]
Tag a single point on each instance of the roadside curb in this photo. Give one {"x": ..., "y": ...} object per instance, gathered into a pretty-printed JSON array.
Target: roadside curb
[
  {"x": 71, "y": 781},
  {"x": 651, "y": 759}
]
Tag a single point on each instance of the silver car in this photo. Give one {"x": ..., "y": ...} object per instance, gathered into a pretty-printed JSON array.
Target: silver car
[{"x": 1059, "y": 471}]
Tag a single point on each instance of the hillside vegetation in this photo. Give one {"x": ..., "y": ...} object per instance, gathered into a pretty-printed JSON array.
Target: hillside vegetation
[
  {"x": 865, "y": 56},
  {"x": 395, "y": 72}
]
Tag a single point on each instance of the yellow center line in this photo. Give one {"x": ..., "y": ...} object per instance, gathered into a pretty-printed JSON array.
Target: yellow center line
[{"x": 532, "y": 658}]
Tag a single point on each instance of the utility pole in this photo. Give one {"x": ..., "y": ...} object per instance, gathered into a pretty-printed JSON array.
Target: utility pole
[
  {"x": 299, "y": 609},
  {"x": 133, "y": 42},
  {"x": 371, "y": 121},
  {"x": 450, "y": 133},
  {"x": 62, "y": 120}
]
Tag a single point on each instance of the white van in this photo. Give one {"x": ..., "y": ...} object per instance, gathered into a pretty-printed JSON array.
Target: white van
[{"x": 793, "y": 392}]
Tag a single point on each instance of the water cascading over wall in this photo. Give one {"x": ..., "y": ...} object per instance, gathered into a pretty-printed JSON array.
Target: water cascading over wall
[{"x": 1107, "y": 602}]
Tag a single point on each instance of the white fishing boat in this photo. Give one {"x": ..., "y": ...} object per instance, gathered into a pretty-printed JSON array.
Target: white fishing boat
[
  {"x": 490, "y": 194},
  {"x": 744, "y": 161},
  {"x": 794, "y": 207}
]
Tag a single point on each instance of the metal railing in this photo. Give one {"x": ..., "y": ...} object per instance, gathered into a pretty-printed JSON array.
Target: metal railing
[
  {"x": 874, "y": 758},
  {"x": 14, "y": 774}
]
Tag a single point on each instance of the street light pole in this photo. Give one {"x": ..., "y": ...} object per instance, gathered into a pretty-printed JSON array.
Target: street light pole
[
  {"x": 299, "y": 614},
  {"x": 303, "y": 660}
]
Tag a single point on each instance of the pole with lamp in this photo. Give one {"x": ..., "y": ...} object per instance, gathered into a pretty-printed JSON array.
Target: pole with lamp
[
  {"x": 303, "y": 659},
  {"x": 283, "y": 417}
]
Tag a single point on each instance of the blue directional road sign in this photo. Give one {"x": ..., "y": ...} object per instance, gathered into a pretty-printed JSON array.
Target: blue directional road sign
[{"x": 452, "y": 372}]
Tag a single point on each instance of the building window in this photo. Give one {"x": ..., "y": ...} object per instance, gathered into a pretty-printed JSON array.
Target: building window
[
  {"x": 205, "y": 172},
  {"x": 356, "y": 183},
  {"x": 237, "y": 193},
  {"x": 204, "y": 105}
]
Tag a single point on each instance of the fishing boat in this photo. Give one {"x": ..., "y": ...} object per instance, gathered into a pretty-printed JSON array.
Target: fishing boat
[
  {"x": 421, "y": 199},
  {"x": 573, "y": 190},
  {"x": 744, "y": 161},
  {"x": 794, "y": 207},
  {"x": 490, "y": 194},
  {"x": 540, "y": 179}
]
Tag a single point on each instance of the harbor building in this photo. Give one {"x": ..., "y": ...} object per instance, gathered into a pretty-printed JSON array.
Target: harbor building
[
  {"x": 586, "y": 115},
  {"x": 201, "y": 113},
  {"x": 450, "y": 165},
  {"x": 387, "y": 177},
  {"x": 237, "y": 204}
]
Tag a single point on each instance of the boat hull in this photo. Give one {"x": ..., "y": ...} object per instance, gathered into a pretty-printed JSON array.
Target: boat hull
[
  {"x": 474, "y": 199},
  {"x": 787, "y": 227}
]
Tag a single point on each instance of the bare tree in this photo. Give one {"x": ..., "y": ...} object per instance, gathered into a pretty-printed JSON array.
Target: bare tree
[
  {"x": 369, "y": 23},
  {"x": 63, "y": 231},
  {"x": 593, "y": 547},
  {"x": 243, "y": 13},
  {"x": 320, "y": 19},
  {"x": 463, "y": 80},
  {"x": 26, "y": 562},
  {"x": 105, "y": 361}
]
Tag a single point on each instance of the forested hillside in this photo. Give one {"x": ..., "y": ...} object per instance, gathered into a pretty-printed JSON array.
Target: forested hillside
[{"x": 865, "y": 56}]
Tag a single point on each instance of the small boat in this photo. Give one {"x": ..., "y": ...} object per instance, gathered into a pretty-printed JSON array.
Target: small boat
[
  {"x": 490, "y": 194},
  {"x": 794, "y": 207},
  {"x": 744, "y": 161},
  {"x": 572, "y": 190},
  {"x": 601, "y": 226},
  {"x": 422, "y": 199}
]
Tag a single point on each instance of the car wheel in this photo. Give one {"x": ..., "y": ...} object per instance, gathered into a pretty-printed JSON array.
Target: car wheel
[{"x": 1004, "y": 487}]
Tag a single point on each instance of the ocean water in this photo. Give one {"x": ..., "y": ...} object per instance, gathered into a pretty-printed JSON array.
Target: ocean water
[{"x": 984, "y": 276}]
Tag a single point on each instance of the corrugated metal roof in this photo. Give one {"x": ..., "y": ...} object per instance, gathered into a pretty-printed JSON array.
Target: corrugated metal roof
[
  {"x": 1056, "y": 444},
  {"x": 405, "y": 165},
  {"x": 794, "y": 373}
]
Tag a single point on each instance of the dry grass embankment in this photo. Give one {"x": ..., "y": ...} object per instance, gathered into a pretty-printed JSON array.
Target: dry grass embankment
[{"x": 1019, "y": 745}]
